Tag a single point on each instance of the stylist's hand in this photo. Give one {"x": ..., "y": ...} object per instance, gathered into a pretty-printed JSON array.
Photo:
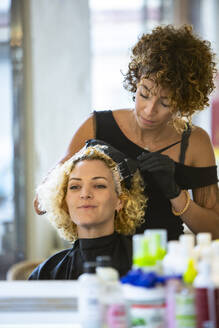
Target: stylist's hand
[
  {"x": 162, "y": 169},
  {"x": 36, "y": 207}
]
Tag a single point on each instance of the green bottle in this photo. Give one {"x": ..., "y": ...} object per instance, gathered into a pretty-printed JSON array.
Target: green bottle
[{"x": 185, "y": 312}]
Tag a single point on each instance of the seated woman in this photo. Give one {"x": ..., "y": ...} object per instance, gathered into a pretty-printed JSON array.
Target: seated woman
[{"x": 94, "y": 199}]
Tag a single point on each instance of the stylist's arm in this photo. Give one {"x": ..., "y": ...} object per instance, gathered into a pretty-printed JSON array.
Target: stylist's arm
[{"x": 199, "y": 215}]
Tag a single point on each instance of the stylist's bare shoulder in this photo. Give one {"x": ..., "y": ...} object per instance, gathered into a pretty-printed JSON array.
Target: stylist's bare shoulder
[
  {"x": 123, "y": 118},
  {"x": 122, "y": 114},
  {"x": 200, "y": 150},
  {"x": 84, "y": 132}
]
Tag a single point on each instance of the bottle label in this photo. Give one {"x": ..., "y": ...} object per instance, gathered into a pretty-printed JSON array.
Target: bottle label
[
  {"x": 185, "y": 311},
  {"x": 90, "y": 312},
  {"x": 148, "y": 315},
  {"x": 115, "y": 316}
]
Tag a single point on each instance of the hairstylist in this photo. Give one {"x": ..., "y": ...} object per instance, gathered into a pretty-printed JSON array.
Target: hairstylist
[{"x": 171, "y": 75}]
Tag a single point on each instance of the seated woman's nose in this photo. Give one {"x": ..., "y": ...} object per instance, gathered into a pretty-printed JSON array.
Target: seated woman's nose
[{"x": 85, "y": 194}]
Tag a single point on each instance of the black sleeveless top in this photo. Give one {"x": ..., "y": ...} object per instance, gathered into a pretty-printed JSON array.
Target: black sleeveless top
[{"x": 158, "y": 214}]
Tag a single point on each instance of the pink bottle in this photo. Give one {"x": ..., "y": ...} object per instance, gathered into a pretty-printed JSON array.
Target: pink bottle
[{"x": 173, "y": 286}]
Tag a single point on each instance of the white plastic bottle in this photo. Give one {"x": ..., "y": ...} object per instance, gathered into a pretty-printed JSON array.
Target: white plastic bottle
[
  {"x": 203, "y": 246},
  {"x": 104, "y": 268},
  {"x": 155, "y": 244},
  {"x": 89, "y": 297},
  {"x": 186, "y": 252},
  {"x": 114, "y": 307},
  {"x": 138, "y": 250},
  {"x": 169, "y": 261},
  {"x": 187, "y": 239}
]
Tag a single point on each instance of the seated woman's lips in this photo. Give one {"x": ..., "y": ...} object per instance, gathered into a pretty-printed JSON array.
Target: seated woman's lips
[{"x": 87, "y": 206}]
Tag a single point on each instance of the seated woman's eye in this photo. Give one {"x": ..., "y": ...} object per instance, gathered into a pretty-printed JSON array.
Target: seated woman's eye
[
  {"x": 100, "y": 186},
  {"x": 74, "y": 187}
]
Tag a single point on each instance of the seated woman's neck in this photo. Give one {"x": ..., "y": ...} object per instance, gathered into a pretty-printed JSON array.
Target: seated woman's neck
[{"x": 93, "y": 232}]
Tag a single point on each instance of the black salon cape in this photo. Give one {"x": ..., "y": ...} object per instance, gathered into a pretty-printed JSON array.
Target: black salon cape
[{"x": 68, "y": 264}]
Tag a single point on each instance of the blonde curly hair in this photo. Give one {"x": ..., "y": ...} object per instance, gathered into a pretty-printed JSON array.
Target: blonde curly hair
[
  {"x": 178, "y": 60},
  {"x": 51, "y": 195}
]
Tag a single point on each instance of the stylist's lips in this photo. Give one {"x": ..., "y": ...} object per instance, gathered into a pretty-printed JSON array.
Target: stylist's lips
[{"x": 148, "y": 122}]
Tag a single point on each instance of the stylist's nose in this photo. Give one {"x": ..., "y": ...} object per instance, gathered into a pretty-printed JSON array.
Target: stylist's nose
[
  {"x": 150, "y": 107},
  {"x": 86, "y": 193}
]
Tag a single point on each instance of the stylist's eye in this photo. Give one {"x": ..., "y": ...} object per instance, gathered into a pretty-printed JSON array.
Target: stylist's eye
[
  {"x": 145, "y": 96},
  {"x": 165, "y": 105}
]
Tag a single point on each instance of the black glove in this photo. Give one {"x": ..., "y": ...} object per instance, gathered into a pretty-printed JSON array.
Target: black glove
[{"x": 162, "y": 169}]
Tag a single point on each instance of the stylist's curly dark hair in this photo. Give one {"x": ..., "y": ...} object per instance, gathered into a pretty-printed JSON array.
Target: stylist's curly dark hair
[{"x": 178, "y": 60}]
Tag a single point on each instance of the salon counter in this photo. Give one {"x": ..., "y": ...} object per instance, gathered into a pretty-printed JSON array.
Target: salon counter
[{"x": 39, "y": 304}]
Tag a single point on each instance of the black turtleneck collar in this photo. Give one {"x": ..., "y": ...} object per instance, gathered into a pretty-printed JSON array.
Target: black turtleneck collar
[
  {"x": 97, "y": 243},
  {"x": 68, "y": 264}
]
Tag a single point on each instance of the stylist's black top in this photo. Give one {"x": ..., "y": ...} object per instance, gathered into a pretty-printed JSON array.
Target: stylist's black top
[
  {"x": 158, "y": 212},
  {"x": 68, "y": 264}
]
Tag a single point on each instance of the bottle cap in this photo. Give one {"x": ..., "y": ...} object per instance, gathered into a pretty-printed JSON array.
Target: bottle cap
[
  {"x": 107, "y": 274},
  {"x": 89, "y": 267},
  {"x": 103, "y": 261},
  {"x": 203, "y": 238},
  {"x": 142, "y": 279},
  {"x": 187, "y": 240}
]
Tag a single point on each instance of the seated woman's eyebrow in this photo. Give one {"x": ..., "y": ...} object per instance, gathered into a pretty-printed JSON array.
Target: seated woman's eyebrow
[
  {"x": 78, "y": 179},
  {"x": 94, "y": 178}
]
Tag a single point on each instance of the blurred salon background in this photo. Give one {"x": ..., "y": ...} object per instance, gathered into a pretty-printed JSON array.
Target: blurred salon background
[{"x": 60, "y": 60}]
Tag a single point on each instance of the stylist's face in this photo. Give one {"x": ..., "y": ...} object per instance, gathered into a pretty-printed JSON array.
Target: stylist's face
[
  {"x": 91, "y": 197},
  {"x": 152, "y": 107}
]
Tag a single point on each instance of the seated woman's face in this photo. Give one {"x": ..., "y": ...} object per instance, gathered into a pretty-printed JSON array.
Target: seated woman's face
[{"x": 91, "y": 197}]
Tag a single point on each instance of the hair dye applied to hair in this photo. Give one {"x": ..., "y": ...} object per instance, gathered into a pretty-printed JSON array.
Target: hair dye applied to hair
[{"x": 51, "y": 195}]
